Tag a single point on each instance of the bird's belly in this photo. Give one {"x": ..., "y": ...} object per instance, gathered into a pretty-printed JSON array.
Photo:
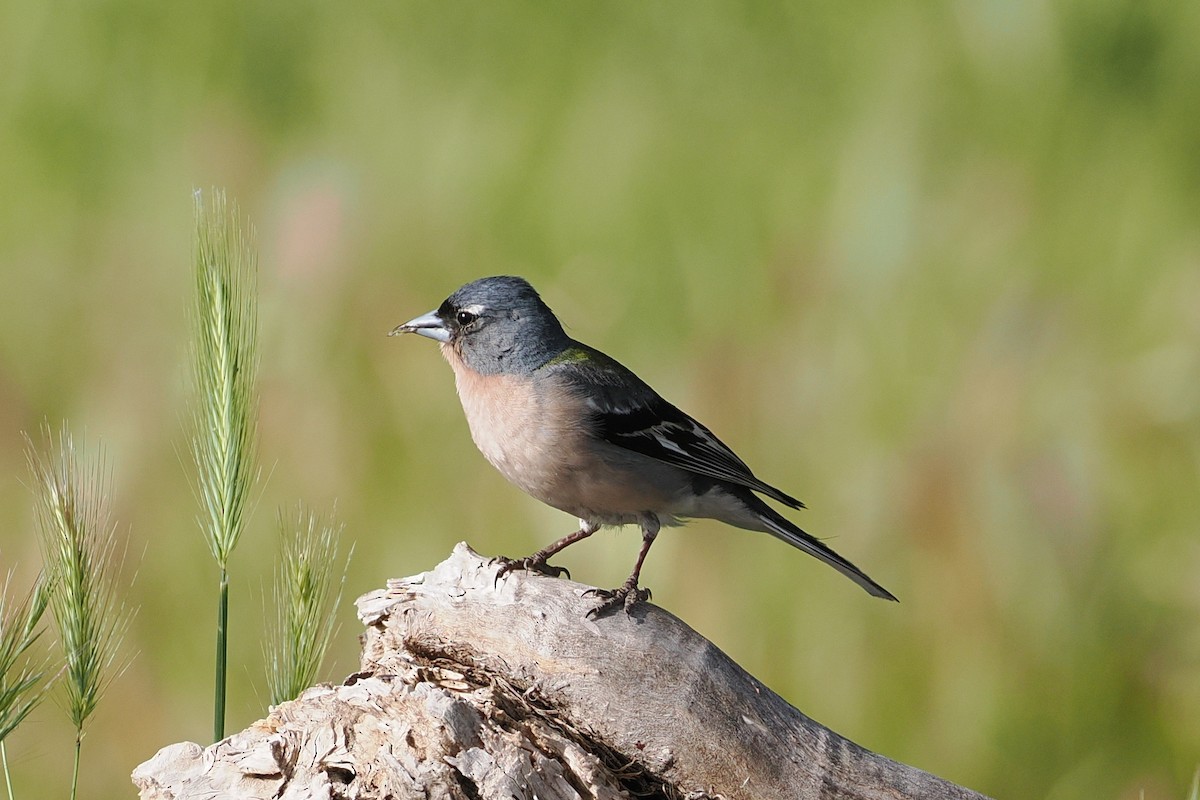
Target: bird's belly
[{"x": 612, "y": 496}]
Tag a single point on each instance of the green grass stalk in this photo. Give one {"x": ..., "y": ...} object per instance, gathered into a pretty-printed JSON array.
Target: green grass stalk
[
  {"x": 78, "y": 542},
  {"x": 225, "y": 418},
  {"x": 306, "y": 577},
  {"x": 4, "y": 764},
  {"x": 20, "y": 689},
  {"x": 22, "y": 684},
  {"x": 222, "y": 652}
]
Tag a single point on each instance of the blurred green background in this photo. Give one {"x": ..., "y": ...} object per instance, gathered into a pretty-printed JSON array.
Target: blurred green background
[{"x": 933, "y": 267}]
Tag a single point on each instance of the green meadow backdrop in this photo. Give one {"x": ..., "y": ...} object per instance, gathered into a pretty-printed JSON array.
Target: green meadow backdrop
[{"x": 934, "y": 268}]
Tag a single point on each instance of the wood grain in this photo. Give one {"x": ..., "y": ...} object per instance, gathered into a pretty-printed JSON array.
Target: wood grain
[{"x": 476, "y": 688}]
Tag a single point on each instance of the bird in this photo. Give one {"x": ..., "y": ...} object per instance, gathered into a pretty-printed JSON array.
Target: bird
[{"x": 577, "y": 430}]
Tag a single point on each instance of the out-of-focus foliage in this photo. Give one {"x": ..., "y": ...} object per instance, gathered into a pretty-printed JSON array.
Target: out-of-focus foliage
[
  {"x": 932, "y": 267},
  {"x": 304, "y": 597},
  {"x": 22, "y": 677},
  {"x": 79, "y": 550}
]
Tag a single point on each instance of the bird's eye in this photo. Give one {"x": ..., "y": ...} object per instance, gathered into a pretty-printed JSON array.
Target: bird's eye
[{"x": 465, "y": 318}]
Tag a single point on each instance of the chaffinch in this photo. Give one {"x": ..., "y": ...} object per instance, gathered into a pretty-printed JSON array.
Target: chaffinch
[{"x": 580, "y": 432}]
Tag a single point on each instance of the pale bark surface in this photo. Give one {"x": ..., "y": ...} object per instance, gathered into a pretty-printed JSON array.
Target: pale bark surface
[{"x": 475, "y": 689}]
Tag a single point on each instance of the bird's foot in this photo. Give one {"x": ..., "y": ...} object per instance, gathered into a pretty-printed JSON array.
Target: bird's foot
[
  {"x": 626, "y": 596},
  {"x": 534, "y": 563}
]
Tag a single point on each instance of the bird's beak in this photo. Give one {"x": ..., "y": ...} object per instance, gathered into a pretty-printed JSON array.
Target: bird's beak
[{"x": 428, "y": 325}]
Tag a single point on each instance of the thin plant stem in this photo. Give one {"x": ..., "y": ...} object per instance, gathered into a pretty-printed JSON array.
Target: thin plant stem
[
  {"x": 222, "y": 659},
  {"x": 75, "y": 770},
  {"x": 7, "y": 777}
]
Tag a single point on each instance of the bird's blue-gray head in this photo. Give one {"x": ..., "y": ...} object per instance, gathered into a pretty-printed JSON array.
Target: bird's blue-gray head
[{"x": 496, "y": 325}]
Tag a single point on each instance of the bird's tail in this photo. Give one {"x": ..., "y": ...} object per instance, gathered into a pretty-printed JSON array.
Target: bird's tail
[{"x": 784, "y": 529}]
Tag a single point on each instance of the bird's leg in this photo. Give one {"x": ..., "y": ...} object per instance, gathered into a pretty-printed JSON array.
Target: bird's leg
[
  {"x": 628, "y": 594},
  {"x": 537, "y": 561}
]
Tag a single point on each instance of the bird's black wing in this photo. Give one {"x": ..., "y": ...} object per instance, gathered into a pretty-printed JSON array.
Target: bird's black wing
[{"x": 629, "y": 414}]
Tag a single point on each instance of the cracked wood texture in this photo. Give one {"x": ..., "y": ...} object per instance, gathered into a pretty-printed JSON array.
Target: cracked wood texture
[{"x": 478, "y": 689}]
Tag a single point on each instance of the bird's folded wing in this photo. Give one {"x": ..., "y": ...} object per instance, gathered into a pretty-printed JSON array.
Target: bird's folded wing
[
  {"x": 655, "y": 428},
  {"x": 627, "y": 413}
]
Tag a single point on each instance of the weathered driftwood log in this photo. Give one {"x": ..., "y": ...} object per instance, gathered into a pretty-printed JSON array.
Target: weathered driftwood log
[{"x": 475, "y": 688}]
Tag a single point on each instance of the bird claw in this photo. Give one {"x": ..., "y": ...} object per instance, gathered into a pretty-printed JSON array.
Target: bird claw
[
  {"x": 529, "y": 564},
  {"x": 626, "y": 596}
]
